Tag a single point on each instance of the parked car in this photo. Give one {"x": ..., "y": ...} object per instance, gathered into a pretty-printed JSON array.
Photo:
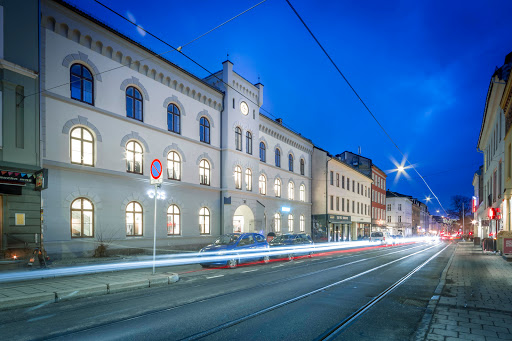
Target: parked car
[
  {"x": 240, "y": 247},
  {"x": 382, "y": 237},
  {"x": 287, "y": 241}
]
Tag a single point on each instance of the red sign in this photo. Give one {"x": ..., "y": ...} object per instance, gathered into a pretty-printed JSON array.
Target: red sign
[
  {"x": 490, "y": 213},
  {"x": 507, "y": 245},
  {"x": 473, "y": 206},
  {"x": 156, "y": 169}
]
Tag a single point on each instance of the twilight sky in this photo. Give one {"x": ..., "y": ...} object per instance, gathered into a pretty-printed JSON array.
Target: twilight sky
[{"x": 423, "y": 68}]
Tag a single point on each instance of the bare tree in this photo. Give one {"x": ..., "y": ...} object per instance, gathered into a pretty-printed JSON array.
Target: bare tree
[{"x": 461, "y": 206}]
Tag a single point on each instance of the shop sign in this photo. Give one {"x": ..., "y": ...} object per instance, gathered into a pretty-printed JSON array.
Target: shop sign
[
  {"x": 507, "y": 245},
  {"x": 26, "y": 178},
  {"x": 338, "y": 218}
]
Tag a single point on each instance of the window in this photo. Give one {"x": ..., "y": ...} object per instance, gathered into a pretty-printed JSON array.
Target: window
[
  {"x": 238, "y": 177},
  {"x": 332, "y": 202},
  {"x": 348, "y": 184},
  {"x": 133, "y": 103},
  {"x": 204, "y": 172},
  {"x": 389, "y": 207},
  {"x": 277, "y": 222},
  {"x": 357, "y": 208},
  {"x": 348, "y": 206},
  {"x": 331, "y": 177},
  {"x": 399, "y": 218},
  {"x": 248, "y": 179},
  {"x": 82, "y": 218},
  {"x": 204, "y": 221},
  {"x": 302, "y": 170},
  {"x": 290, "y": 162},
  {"x": 343, "y": 181},
  {"x": 337, "y": 179},
  {"x": 133, "y": 219},
  {"x": 353, "y": 186},
  {"x": 278, "y": 157},
  {"x": 263, "y": 184},
  {"x": 353, "y": 207},
  {"x": 173, "y": 118},
  {"x": 204, "y": 130},
  {"x": 238, "y": 138},
  {"x": 82, "y": 147},
  {"x": 290, "y": 223},
  {"x": 302, "y": 193},
  {"x": 82, "y": 84},
  {"x": 277, "y": 187},
  {"x": 399, "y": 207},
  {"x": 343, "y": 204},
  {"x": 173, "y": 220},
  {"x": 291, "y": 190},
  {"x": 248, "y": 143},
  {"x": 389, "y": 218},
  {"x": 302, "y": 224},
  {"x": 134, "y": 157},
  {"x": 337, "y": 203},
  {"x": 263, "y": 152},
  {"x": 173, "y": 166}
]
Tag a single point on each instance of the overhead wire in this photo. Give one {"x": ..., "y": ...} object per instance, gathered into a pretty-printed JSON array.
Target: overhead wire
[{"x": 363, "y": 103}]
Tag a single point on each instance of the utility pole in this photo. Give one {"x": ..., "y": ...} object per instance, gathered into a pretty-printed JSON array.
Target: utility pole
[{"x": 463, "y": 226}]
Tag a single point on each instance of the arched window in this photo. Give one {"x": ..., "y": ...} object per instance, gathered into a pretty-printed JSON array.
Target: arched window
[
  {"x": 302, "y": 167},
  {"x": 278, "y": 157},
  {"x": 248, "y": 179},
  {"x": 204, "y": 221},
  {"x": 133, "y": 103},
  {"x": 173, "y": 220},
  {"x": 277, "y": 187},
  {"x": 291, "y": 190},
  {"x": 302, "y": 224},
  {"x": 82, "y": 84},
  {"x": 263, "y": 184},
  {"x": 82, "y": 147},
  {"x": 204, "y": 172},
  {"x": 290, "y": 162},
  {"x": 238, "y": 177},
  {"x": 134, "y": 157},
  {"x": 238, "y": 138},
  {"x": 248, "y": 143},
  {"x": 263, "y": 152},
  {"x": 290, "y": 223},
  {"x": 173, "y": 166},
  {"x": 204, "y": 130},
  {"x": 133, "y": 219},
  {"x": 173, "y": 118},
  {"x": 277, "y": 222},
  {"x": 82, "y": 218},
  {"x": 302, "y": 192}
]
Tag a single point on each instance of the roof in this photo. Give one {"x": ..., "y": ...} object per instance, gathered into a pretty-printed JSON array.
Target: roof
[
  {"x": 291, "y": 131},
  {"x": 392, "y": 194},
  {"x": 373, "y": 165},
  {"x": 343, "y": 163}
]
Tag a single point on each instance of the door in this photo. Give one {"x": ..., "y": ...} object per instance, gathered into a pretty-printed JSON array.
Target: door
[{"x": 246, "y": 247}]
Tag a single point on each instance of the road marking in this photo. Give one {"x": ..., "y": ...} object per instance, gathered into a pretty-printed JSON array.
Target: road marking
[
  {"x": 40, "y": 318},
  {"x": 214, "y": 276},
  {"x": 250, "y": 270},
  {"x": 276, "y": 266},
  {"x": 299, "y": 261}
]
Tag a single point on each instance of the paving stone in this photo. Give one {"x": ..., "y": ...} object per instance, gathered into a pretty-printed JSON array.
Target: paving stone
[
  {"x": 473, "y": 337},
  {"x": 458, "y": 329},
  {"x": 444, "y": 332},
  {"x": 505, "y": 336},
  {"x": 497, "y": 329}
]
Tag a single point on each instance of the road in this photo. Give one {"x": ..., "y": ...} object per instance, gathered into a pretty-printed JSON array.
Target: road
[{"x": 303, "y": 299}]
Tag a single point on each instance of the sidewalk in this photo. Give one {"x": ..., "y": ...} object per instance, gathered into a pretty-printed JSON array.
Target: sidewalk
[{"x": 476, "y": 301}]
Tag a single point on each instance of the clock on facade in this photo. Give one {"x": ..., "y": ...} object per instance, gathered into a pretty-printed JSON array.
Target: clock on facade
[{"x": 244, "y": 108}]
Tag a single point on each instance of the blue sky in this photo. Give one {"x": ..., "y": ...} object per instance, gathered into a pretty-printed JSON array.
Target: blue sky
[{"x": 422, "y": 67}]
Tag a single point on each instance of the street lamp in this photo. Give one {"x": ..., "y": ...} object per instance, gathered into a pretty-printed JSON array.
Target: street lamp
[{"x": 427, "y": 199}]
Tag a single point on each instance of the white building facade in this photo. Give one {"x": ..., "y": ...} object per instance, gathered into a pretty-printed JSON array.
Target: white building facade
[
  {"x": 122, "y": 106},
  {"x": 399, "y": 214}
]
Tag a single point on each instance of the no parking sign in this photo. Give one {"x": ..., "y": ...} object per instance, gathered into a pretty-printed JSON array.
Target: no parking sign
[{"x": 156, "y": 172}]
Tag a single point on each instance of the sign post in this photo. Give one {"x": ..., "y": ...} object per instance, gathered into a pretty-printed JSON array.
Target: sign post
[{"x": 156, "y": 179}]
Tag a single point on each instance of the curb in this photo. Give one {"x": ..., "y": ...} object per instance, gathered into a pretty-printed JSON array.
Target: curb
[
  {"x": 46, "y": 298},
  {"x": 424, "y": 325}
]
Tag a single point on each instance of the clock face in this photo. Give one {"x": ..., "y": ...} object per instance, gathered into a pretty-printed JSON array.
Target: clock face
[{"x": 244, "y": 108}]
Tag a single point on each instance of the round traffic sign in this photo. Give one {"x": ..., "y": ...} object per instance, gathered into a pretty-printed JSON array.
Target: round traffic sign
[{"x": 156, "y": 169}]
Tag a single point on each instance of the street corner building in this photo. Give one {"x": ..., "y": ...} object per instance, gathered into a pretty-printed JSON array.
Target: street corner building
[{"x": 227, "y": 167}]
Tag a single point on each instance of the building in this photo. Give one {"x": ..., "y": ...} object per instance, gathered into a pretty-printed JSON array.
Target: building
[
  {"x": 378, "y": 199},
  {"x": 399, "y": 212},
  {"x": 341, "y": 199},
  {"x": 424, "y": 225},
  {"x": 226, "y": 166},
  {"x": 20, "y": 162},
  {"x": 506, "y": 107},
  {"x": 481, "y": 220},
  {"x": 491, "y": 143}
]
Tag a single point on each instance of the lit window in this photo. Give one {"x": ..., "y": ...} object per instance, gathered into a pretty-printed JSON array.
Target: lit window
[
  {"x": 82, "y": 147},
  {"x": 278, "y": 158},
  {"x": 277, "y": 222},
  {"x": 82, "y": 84},
  {"x": 302, "y": 224},
  {"x": 291, "y": 191},
  {"x": 238, "y": 138},
  {"x": 248, "y": 143},
  {"x": 238, "y": 177},
  {"x": 204, "y": 221},
  {"x": 133, "y": 219},
  {"x": 173, "y": 166},
  {"x": 133, "y": 157},
  {"x": 133, "y": 103},
  {"x": 204, "y": 130},
  {"x": 248, "y": 179},
  {"x": 263, "y": 185},
  {"x": 204, "y": 172},
  {"x": 173, "y": 220},
  {"x": 302, "y": 192},
  {"x": 263, "y": 152},
  {"x": 290, "y": 162},
  {"x": 82, "y": 218},
  {"x": 173, "y": 118},
  {"x": 277, "y": 187},
  {"x": 290, "y": 223}
]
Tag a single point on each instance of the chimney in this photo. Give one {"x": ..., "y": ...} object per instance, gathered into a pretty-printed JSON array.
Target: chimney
[{"x": 279, "y": 120}]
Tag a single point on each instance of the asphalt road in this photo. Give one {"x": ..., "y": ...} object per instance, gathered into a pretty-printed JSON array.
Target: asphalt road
[{"x": 301, "y": 300}]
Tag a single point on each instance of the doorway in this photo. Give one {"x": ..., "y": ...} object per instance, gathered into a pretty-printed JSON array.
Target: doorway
[{"x": 243, "y": 219}]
